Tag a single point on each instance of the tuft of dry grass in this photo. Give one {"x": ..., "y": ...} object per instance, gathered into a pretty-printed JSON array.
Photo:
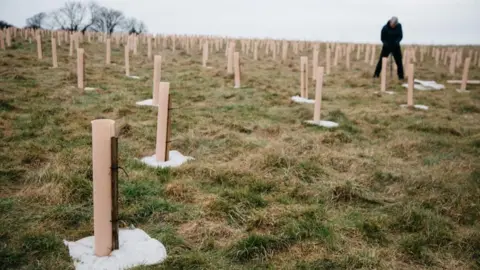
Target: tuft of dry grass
[{"x": 389, "y": 189}]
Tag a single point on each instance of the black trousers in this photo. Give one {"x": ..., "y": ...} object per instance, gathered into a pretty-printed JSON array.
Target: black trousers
[{"x": 397, "y": 55}]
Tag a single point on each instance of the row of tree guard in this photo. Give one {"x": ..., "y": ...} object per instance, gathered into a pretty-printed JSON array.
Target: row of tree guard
[
  {"x": 248, "y": 46},
  {"x": 233, "y": 59}
]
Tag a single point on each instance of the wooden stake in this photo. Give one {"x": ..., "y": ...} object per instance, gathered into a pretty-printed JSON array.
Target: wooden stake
[
  {"x": 255, "y": 51},
  {"x": 237, "y": 69},
  {"x": 114, "y": 190},
  {"x": 102, "y": 132},
  {"x": 410, "y": 85},
  {"x": 318, "y": 94},
  {"x": 54, "y": 53},
  {"x": 169, "y": 129},
  {"x": 466, "y": 66},
  {"x": 383, "y": 83},
  {"x": 39, "y": 47},
  {"x": 162, "y": 122},
  {"x": 80, "y": 68}
]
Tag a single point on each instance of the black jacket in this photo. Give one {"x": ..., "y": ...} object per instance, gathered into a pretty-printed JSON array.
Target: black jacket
[{"x": 392, "y": 36}]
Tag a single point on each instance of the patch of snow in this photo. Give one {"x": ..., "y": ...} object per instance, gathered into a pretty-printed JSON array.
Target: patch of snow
[
  {"x": 327, "y": 124},
  {"x": 430, "y": 84},
  {"x": 385, "y": 92},
  {"x": 416, "y": 106},
  {"x": 425, "y": 85},
  {"x": 298, "y": 99},
  {"x": 175, "y": 159},
  {"x": 133, "y": 77},
  {"x": 135, "y": 248},
  {"x": 147, "y": 102}
]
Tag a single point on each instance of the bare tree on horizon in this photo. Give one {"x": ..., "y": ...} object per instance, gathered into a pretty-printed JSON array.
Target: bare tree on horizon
[
  {"x": 134, "y": 26},
  {"x": 107, "y": 19},
  {"x": 4, "y": 24},
  {"x": 79, "y": 16},
  {"x": 70, "y": 16},
  {"x": 36, "y": 21}
]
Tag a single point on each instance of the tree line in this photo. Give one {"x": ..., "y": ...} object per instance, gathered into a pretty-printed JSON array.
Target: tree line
[{"x": 79, "y": 16}]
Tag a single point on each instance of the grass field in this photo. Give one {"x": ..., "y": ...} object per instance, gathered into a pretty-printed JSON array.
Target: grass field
[{"x": 391, "y": 188}]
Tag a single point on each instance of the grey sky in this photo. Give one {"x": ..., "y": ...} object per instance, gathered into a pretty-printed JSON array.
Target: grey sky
[{"x": 424, "y": 21}]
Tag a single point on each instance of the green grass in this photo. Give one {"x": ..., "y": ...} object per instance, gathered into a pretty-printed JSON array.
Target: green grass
[
  {"x": 389, "y": 188},
  {"x": 257, "y": 247}
]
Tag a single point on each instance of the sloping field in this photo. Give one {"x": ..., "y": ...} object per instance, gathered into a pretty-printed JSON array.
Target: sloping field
[{"x": 391, "y": 188}]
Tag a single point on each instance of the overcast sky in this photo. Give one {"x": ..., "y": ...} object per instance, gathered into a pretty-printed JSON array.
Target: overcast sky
[{"x": 423, "y": 21}]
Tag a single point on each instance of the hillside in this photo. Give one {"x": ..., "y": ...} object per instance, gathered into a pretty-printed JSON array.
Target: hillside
[{"x": 390, "y": 188}]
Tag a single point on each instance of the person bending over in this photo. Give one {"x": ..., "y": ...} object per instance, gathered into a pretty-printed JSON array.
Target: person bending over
[{"x": 391, "y": 36}]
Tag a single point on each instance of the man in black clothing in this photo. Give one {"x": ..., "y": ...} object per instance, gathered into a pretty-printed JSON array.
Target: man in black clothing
[{"x": 391, "y": 36}]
